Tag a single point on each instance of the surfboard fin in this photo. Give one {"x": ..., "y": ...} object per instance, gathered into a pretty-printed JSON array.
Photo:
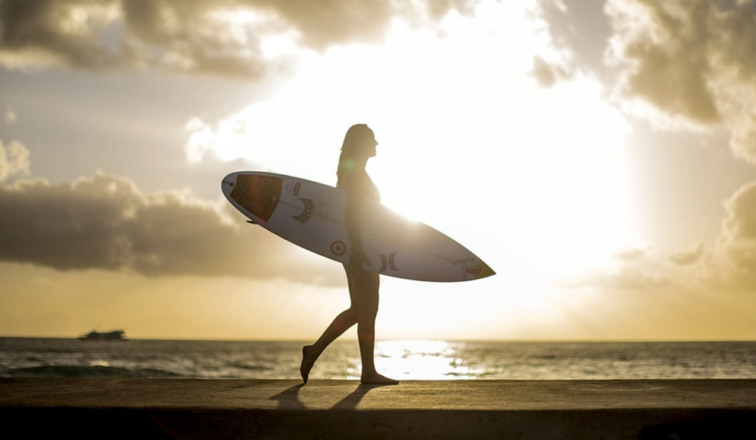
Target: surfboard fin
[{"x": 251, "y": 222}]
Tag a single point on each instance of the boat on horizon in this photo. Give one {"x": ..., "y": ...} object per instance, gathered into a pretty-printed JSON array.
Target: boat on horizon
[{"x": 113, "y": 335}]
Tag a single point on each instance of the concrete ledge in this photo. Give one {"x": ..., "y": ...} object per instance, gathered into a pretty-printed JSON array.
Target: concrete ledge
[{"x": 137, "y": 408}]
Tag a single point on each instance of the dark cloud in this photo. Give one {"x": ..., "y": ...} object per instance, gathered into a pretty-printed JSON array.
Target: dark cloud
[
  {"x": 579, "y": 26},
  {"x": 672, "y": 65},
  {"x": 693, "y": 60},
  {"x": 48, "y": 31},
  {"x": 104, "y": 222},
  {"x": 200, "y": 36}
]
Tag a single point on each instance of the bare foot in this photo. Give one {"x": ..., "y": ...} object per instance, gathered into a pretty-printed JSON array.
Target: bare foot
[
  {"x": 377, "y": 379},
  {"x": 307, "y": 362}
]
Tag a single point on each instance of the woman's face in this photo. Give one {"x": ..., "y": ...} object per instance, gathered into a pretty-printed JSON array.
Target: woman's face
[{"x": 370, "y": 145}]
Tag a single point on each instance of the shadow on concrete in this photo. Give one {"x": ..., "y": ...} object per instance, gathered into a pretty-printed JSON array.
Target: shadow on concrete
[
  {"x": 704, "y": 425},
  {"x": 353, "y": 399},
  {"x": 289, "y": 398}
]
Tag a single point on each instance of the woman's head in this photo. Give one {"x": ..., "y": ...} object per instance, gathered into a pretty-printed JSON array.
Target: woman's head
[
  {"x": 359, "y": 143},
  {"x": 359, "y": 146}
]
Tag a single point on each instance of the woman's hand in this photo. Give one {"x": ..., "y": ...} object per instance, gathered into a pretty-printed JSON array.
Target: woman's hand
[{"x": 357, "y": 258}]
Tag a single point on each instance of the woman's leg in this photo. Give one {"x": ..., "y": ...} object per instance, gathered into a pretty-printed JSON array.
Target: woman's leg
[
  {"x": 342, "y": 323},
  {"x": 366, "y": 286}
]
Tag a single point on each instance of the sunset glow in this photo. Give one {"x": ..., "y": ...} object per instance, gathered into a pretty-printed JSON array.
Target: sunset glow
[{"x": 610, "y": 193}]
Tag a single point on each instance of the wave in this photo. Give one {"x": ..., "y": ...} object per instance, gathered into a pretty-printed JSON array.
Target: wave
[
  {"x": 88, "y": 371},
  {"x": 243, "y": 366}
]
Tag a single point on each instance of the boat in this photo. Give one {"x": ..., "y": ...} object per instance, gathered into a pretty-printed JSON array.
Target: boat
[{"x": 113, "y": 335}]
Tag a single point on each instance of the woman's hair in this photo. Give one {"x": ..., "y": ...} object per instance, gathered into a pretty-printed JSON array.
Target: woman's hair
[{"x": 355, "y": 141}]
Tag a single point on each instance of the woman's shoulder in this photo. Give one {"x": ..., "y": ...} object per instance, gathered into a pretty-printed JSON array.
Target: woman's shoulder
[{"x": 360, "y": 182}]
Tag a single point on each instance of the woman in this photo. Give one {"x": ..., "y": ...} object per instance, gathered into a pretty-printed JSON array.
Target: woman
[{"x": 359, "y": 146}]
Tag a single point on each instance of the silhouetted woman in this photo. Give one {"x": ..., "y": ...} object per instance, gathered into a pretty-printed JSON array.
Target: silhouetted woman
[{"x": 359, "y": 146}]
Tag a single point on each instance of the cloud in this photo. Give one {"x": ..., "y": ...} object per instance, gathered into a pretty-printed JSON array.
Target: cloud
[
  {"x": 623, "y": 278},
  {"x": 238, "y": 38},
  {"x": 580, "y": 28},
  {"x": 547, "y": 74},
  {"x": 728, "y": 267},
  {"x": 10, "y": 116},
  {"x": 689, "y": 256},
  {"x": 632, "y": 252},
  {"x": 635, "y": 268},
  {"x": 105, "y": 222},
  {"x": 692, "y": 61},
  {"x": 14, "y": 160},
  {"x": 735, "y": 262}
]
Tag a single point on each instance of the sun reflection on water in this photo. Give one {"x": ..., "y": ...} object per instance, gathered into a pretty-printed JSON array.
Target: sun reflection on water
[{"x": 423, "y": 360}]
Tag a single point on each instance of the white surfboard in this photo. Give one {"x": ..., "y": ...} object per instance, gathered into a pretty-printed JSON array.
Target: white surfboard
[{"x": 311, "y": 215}]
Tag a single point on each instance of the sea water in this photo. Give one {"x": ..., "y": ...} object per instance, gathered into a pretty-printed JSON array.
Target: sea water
[{"x": 400, "y": 359}]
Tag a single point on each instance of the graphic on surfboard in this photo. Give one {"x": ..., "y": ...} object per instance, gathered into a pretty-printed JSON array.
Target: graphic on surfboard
[{"x": 311, "y": 215}]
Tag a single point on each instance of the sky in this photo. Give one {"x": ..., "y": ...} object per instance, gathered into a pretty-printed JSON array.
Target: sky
[{"x": 600, "y": 156}]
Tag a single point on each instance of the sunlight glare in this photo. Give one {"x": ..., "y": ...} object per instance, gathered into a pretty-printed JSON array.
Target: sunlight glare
[
  {"x": 533, "y": 180},
  {"x": 421, "y": 360}
]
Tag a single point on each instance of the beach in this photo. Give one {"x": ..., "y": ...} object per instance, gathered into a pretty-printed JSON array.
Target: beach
[{"x": 281, "y": 409}]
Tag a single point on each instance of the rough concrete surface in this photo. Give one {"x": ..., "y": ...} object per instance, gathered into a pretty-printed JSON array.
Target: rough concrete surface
[{"x": 282, "y": 409}]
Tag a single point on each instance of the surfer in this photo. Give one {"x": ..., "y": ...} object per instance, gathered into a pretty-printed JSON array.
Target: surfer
[{"x": 359, "y": 146}]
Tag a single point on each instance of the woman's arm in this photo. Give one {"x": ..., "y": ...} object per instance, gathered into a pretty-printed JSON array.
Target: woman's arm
[{"x": 352, "y": 220}]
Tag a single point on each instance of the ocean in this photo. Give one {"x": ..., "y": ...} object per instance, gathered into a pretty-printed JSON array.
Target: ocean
[{"x": 400, "y": 359}]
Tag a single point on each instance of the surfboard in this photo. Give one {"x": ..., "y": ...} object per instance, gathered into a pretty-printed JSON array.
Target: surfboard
[{"x": 311, "y": 215}]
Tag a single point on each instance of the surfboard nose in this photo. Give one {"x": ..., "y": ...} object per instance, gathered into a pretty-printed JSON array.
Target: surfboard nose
[
  {"x": 485, "y": 271},
  {"x": 227, "y": 184}
]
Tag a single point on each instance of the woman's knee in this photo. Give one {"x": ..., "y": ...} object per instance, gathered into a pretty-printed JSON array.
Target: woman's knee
[
  {"x": 352, "y": 314},
  {"x": 368, "y": 310}
]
